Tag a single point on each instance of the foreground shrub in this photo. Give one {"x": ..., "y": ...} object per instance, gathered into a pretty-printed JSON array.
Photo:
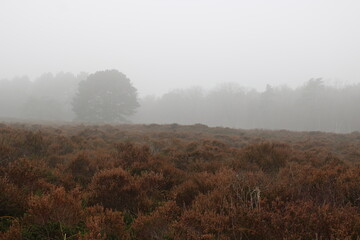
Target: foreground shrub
[
  {"x": 268, "y": 156},
  {"x": 29, "y": 175},
  {"x": 201, "y": 183},
  {"x": 13, "y": 233},
  {"x": 114, "y": 188},
  {"x": 104, "y": 224},
  {"x": 56, "y": 206},
  {"x": 12, "y": 201},
  {"x": 304, "y": 220},
  {"x": 54, "y": 215},
  {"x": 157, "y": 225},
  {"x": 81, "y": 169}
]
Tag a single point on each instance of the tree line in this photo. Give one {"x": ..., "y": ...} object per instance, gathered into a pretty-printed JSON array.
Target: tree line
[
  {"x": 46, "y": 98},
  {"x": 313, "y": 106}
]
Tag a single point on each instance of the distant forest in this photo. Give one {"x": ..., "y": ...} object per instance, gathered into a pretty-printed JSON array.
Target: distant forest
[{"x": 314, "y": 106}]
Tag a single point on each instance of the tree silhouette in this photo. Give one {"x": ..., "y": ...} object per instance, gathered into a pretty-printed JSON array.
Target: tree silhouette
[{"x": 105, "y": 96}]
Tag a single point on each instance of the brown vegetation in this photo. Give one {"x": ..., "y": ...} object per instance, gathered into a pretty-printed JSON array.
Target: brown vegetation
[{"x": 177, "y": 182}]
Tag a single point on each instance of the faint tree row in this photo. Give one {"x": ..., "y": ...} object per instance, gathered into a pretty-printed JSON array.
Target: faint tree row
[
  {"x": 109, "y": 97},
  {"x": 102, "y": 97},
  {"x": 314, "y": 106}
]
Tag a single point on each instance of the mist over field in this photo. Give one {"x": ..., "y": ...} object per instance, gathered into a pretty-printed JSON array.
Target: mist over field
[{"x": 313, "y": 106}]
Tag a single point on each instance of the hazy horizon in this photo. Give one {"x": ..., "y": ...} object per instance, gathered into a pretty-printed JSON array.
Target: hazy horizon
[{"x": 163, "y": 45}]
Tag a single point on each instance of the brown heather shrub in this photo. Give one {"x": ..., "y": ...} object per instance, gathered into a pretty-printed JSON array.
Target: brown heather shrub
[
  {"x": 194, "y": 157},
  {"x": 13, "y": 201},
  {"x": 157, "y": 225},
  {"x": 319, "y": 157},
  {"x": 196, "y": 225},
  {"x": 323, "y": 185},
  {"x": 208, "y": 150},
  {"x": 191, "y": 183},
  {"x": 114, "y": 188},
  {"x": 93, "y": 236},
  {"x": 129, "y": 153},
  {"x": 81, "y": 169},
  {"x": 199, "y": 183},
  {"x": 64, "y": 178},
  {"x": 104, "y": 224},
  {"x": 102, "y": 159},
  {"x": 172, "y": 176},
  {"x": 222, "y": 212},
  {"x": 61, "y": 145},
  {"x": 35, "y": 144},
  {"x": 56, "y": 206},
  {"x": 305, "y": 220},
  {"x": 13, "y": 233},
  {"x": 117, "y": 189},
  {"x": 249, "y": 188},
  {"x": 29, "y": 175},
  {"x": 348, "y": 186},
  {"x": 7, "y": 154},
  {"x": 221, "y": 215},
  {"x": 269, "y": 157},
  {"x": 151, "y": 190},
  {"x": 211, "y": 216},
  {"x": 186, "y": 192}
]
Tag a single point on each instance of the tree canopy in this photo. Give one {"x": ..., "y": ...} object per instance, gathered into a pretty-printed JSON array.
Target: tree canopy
[{"x": 105, "y": 97}]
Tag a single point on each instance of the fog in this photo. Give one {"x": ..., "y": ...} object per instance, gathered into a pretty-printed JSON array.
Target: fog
[
  {"x": 311, "y": 107},
  {"x": 242, "y": 64}
]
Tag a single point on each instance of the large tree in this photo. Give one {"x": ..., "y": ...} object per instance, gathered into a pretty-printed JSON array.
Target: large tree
[{"x": 105, "y": 97}]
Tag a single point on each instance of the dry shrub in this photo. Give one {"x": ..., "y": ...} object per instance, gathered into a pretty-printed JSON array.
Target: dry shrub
[
  {"x": 248, "y": 189},
  {"x": 61, "y": 145},
  {"x": 222, "y": 212},
  {"x": 305, "y": 220},
  {"x": 194, "y": 225},
  {"x": 211, "y": 216},
  {"x": 210, "y": 155},
  {"x": 130, "y": 154},
  {"x": 114, "y": 188},
  {"x": 151, "y": 186},
  {"x": 208, "y": 150},
  {"x": 117, "y": 189},
  {"x": 157, "y": 225},
  {"x": 176, "y": 191},
  {"x": 319, "y": 157},
  {"x": 35, "y": 144},
  {"x": 348, "y": 186},
  {"x": 198, "y": 183},
  {"x": 12, "y": 201},
  {"x": 81, "y": 169},
  {"x": 268, "y": 156},
  {"x": 7, "y": 153},
  {"x": 56, "y": 206},
  {"x": 93, "y": 236},
  {"x": 330, "y": 184},
  {"x": 64, "y": 178},
  {"x": 13, "y": 233},
  {"x": 28, "y": 175},
  {"x": 172, "y": 176},
  {"x": 104, "y": 224}
]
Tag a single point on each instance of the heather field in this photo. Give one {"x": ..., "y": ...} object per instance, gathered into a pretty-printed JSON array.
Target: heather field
[{"x": 177, "y": 182}]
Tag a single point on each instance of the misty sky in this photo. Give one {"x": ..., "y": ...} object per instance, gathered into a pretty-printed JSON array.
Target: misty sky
[{"x": 167, "y": 44}]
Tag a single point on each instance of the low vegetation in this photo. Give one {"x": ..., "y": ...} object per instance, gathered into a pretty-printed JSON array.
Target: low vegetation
[{"x": 177, "y": 182}]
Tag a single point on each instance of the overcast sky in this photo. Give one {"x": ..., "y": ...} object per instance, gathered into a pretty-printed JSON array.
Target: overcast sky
[{"x": 167, "y": 44}]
